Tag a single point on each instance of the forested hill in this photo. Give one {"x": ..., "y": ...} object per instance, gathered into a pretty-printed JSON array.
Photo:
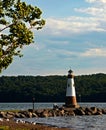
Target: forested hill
[{"x": 89, "y": 88}]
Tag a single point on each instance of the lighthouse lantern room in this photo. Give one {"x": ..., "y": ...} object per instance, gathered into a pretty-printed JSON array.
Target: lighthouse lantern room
[{"x": 70, "y": 91}]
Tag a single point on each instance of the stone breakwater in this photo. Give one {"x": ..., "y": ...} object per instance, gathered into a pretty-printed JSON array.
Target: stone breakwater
[{"x": 52, "y": 112}]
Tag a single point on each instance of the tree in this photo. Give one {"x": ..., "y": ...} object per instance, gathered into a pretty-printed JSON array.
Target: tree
[{"x": 17, "y": 19}]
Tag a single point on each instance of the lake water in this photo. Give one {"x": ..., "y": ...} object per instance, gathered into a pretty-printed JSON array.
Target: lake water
[{"x": 97, "y": 122}]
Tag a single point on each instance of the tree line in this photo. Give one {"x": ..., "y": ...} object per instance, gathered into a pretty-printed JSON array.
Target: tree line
[{"x": 89, "y": 88}]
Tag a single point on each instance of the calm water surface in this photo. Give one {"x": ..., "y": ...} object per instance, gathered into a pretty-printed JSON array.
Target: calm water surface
[{"x": 74, "y": 123}]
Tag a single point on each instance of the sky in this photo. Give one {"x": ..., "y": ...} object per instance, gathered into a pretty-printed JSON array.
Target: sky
[{"x": 74, "y": 37}]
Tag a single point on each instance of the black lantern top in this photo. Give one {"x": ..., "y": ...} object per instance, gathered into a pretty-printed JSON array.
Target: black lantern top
[
  {"x": 70, "y": 74},
  {"x": 70, "y": 71}
]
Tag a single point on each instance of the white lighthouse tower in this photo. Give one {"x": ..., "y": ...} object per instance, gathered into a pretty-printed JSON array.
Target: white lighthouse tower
[{"x": 70, "y": 91}]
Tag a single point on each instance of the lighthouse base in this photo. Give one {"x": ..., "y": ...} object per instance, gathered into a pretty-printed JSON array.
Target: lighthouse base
[{"x": 71, "y": 102}]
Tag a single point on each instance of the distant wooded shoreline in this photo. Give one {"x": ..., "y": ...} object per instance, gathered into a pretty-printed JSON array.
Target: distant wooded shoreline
[{"x": 89, "y": 88}]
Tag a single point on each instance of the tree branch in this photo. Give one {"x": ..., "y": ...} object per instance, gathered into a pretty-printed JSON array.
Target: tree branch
[{"x": 5, "y": 27}]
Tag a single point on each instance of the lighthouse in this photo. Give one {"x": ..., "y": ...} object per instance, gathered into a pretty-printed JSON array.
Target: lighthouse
[{"x": 70, "y": 91}]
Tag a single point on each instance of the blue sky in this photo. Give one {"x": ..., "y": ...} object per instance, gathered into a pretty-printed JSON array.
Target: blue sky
[{"x": 74, "y": 37}]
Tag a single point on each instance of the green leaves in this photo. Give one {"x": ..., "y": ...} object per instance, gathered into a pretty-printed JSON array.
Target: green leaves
[
  {"x": 21, "y": 33},
  {"x": 16, "y": 21},
  {"x": 3, "y": 21}
]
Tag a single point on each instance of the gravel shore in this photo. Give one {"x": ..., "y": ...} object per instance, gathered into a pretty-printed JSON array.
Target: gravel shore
[{"x": 12, "y": 125}]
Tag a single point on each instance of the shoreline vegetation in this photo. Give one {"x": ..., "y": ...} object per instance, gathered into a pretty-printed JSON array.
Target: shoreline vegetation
[
  {"x": 15, "y": 120},
  {"x": 52, "y": 88}
]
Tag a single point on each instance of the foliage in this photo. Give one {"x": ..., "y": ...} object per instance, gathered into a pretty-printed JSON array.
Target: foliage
[
  {"x": 51, "y": 88},
  {"x": 16, "y": 21}
]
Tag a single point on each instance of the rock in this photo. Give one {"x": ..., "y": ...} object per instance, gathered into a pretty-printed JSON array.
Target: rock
[
  {"x": 53, "y": 112},
  {"x": 69, "y": 112},
  {"x": 17, "y": 115},
  {"x": 3, "y": 114},
  {"x": 61, "y": 108},
  {"x": 87, "y": 111},
  {"x": 30, "y": 110},
  {"x": 45, "y": 113},
  {"x": 34, "y": 115},
  {"x": 29, "y": 114},
  {"x": 79, "y": 111},
  {"x": 22, "y": 116},
  {"x": 57, "y": 112},
  {"x": 39, "y": 112},
  {"x": 93, "y": 110},
  {"x": 62, "y": 112},
  {"x": 98, "y": 113},
  {"x": 10, "y": 113},
  {"x": 9, "y": 116},
  {"x": 82, "y": 108},
  {"x": 104, "y": 111},
  {"x": 99, "y": 109}
]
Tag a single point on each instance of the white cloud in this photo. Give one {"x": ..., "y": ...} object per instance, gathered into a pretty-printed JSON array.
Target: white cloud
[
  {"x": 95, "y": 52},
  {"x": 93, "y": 1},
  {"x": 95, "y": 21},
  {"x": 98, "y": 12},
  {"x": 92, "y": 52},
  {"x": 97, "y": 9},
  {"x": 73, "y": 25}
]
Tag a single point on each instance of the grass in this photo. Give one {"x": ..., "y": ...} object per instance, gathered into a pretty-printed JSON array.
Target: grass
[
  {"x": 4, "y": 127},
  {"x": 10, "y": 110},
  {"x": 8, "y": 128}
]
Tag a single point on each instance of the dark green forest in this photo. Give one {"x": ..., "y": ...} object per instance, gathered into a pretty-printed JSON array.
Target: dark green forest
[{"x": 89, "y": 88}]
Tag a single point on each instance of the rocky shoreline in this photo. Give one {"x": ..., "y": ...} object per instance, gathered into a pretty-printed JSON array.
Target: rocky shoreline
[
  {"x": 52, "y": 112},
  {"x": 13, "y": 119}
]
